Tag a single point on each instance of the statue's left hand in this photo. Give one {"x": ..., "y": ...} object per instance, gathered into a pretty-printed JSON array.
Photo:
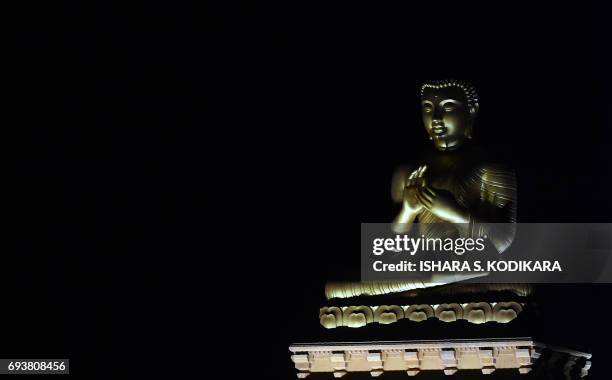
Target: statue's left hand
[{"x": 442, "y": 204}]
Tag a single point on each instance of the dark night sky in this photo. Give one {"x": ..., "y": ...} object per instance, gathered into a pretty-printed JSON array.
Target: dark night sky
[{"x": 183, "y": 169}]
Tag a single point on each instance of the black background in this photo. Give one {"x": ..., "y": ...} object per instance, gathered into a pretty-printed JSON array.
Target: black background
[{"x": 189, "y": 176}]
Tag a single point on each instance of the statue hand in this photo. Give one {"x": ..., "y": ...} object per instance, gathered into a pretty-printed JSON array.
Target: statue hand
[
  {"x": 411, "y": 206},
  {"x": 411, "y": 202},
  {"x": 442, "y": 204}
]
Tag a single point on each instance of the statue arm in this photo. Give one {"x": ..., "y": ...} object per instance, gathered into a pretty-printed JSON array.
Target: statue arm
[{"x": 402, "y": 224}]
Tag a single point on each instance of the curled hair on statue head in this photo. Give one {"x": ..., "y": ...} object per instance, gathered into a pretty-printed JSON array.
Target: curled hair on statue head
[{"x": 468, "y": 89}]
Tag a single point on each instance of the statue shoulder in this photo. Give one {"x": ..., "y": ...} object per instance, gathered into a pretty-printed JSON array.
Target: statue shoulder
[
  {"x": 494, "y": 171},
  {"x": 496, "y": 179}
]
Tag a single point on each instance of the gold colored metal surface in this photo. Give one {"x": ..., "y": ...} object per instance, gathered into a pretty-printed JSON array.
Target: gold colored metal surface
[
  {"x": 373, "y": 288},
  {"x": 415, "y": 288},
  {"x": 452, "y": 193}
]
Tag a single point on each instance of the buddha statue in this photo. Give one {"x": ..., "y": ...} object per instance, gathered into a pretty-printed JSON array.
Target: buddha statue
[{"x": 452, "y": 193}]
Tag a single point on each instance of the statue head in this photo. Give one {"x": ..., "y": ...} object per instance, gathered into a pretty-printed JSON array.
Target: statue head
[{"x": 449, "y": 108}]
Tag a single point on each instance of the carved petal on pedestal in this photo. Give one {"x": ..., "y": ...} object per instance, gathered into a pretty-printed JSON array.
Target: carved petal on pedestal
[
  {"x": 504, "y": 312},
  {"x": 330, "y": 317},
  {"x": 355, "y": 320},
  {"x": 449, "y": 312},
  {"x": 419, "y": 313},
  {"x": 357, "y": 316},
  {"x": 388, "y": 314},
  {"x": 476, "y": 316},
  {"x": 418, "y": 316},
  {"x": 505, "y": 316},
  {"x": 447, "y": 316},
  {"x": 478, "y": 312}
]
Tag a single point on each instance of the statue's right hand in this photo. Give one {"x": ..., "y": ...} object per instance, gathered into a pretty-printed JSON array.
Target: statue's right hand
[
  {"x": 399, "y": 181},
  {"x": 410, "y": 201}
]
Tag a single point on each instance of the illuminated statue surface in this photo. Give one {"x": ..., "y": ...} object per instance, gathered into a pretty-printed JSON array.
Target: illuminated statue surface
[{"x": 452, "y": 193}]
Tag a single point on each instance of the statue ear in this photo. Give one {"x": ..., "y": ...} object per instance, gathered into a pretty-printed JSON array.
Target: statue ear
[{"x": 473, "y": 111}]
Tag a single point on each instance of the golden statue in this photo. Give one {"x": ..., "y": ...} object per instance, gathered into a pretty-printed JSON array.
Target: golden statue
[{"x": 454, "y": 192}]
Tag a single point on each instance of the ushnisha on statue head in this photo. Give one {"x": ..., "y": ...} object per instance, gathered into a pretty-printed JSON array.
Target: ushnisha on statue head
[{"x": 449, "y": 108}]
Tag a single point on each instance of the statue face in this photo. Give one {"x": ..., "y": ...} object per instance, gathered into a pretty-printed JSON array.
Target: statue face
[{"x": 446, "y": 116}]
